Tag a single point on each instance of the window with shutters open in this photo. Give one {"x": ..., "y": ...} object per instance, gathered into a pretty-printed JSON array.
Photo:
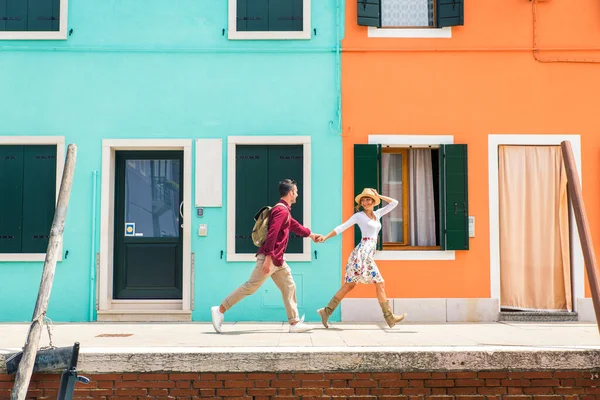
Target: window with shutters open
[
  {"x": 410, "y": 13},
  {"x": 28, "y": 177},
  {"x": 430, "y": 184},
  {"x": 269, "y": 19},
  {"x": 33, "y": 19}
]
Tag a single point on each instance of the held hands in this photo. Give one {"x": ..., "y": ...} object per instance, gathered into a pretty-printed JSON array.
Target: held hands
[{"x": 317, "y": 238}]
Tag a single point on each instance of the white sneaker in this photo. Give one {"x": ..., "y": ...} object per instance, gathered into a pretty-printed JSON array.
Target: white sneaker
[
  {"x": 301, "y": 327},
  {"x": 217, "y": 318}
]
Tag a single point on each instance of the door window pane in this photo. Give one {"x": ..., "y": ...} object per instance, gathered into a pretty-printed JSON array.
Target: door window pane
[{"x": 152, "y": 198}]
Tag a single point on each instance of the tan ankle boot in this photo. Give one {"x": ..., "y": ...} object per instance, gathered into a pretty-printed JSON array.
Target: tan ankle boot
[
  {"x": 326, "y": 312},
  {"x": 391, "y": 318}
]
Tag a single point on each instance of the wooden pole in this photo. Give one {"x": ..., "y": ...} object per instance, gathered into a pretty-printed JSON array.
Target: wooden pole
[
  {"x": 25, "y": 370},
  {"x": 582, "y": 225}
]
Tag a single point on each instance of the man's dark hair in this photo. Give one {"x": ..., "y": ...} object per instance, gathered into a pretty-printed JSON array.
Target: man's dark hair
[{"x": 286, "y": 186}]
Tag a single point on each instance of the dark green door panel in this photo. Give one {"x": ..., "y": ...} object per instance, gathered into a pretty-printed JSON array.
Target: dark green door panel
[
  {"x": 146, "y": 276},
  {"x": 148, "y": 194},
  {"x": 454, "y": 181},
  {"x": 39, "y": 197},
  {"x": 11, "y": 198},
  {"x": 287, "y": 162},
  {"x": 251, "y": 192},
  {"x": 366, "y": 174}
]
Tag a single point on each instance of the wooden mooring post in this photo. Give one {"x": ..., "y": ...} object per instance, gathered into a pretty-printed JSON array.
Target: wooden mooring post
[
  {"x": 25, "y": 370},
  {"x": 583, "y": 227}
]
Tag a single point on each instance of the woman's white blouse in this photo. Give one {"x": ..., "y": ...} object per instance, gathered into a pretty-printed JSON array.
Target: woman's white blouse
[{"x": 369, "y": 228}]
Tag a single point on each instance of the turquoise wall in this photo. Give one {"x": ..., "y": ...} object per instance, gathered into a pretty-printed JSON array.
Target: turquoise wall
[{"x": 154, "y": 69}]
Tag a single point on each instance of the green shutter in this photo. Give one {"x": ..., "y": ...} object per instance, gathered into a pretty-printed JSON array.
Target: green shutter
[
  {"x": 454, "y": 203},
  {"x": 369, "y": 13},
  {"x": 42, "y": 15},
  {"x": 251, "y": 192},
  {"x": 252, "y": 15},
  {"x": 39, "y": 196},
  {"x": 298, "y": 15},
  {"x": 284, "y": 15},
  {"x": 366, "y": 174},
  {"x": 16, "y": 15},
  {"x": 11, "y": 198},
  {"x": 241, "y": 15},
  {"x": 3, "y": 15},
  {"x": 287, "y": 162},
  {"x": 449, "y": 13}
]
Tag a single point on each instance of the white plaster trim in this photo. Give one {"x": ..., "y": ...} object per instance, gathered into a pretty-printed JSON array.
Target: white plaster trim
[
  {"x": 231, "y": 187},
  {"x": 109, "y": 146},
  {"x": 411, "y": 140},
  {"x": 405, "y": 255},
  {"x": 423, "y": 309},
  {"x": 61, "y": 34},
  {"x": 209, "y": 172},
  {"x": 417, "y": 141},
  {"x": 146, "y": 305},
  {"x": 585, "y": 310},
  {"x": 577, "y": 264},
  {"x": 442, "y": 33},
  {"x": 268, "y": 35},
  {"x": 59, "y": 141}
]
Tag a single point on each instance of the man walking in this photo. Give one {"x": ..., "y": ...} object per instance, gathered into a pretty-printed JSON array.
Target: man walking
[{"x": 270, "y": 261}]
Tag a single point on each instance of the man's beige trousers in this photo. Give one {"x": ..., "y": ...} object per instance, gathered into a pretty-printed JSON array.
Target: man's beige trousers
[{"x": 282, "y": 276}]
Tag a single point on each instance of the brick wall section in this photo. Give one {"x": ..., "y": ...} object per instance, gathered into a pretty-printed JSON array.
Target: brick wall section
[{"x": 496, "y": 385}]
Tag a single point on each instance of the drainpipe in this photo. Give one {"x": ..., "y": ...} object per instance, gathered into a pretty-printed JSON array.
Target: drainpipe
[
  {"x": 93, "y": 245},
  {"x": 338, "y": 68}
]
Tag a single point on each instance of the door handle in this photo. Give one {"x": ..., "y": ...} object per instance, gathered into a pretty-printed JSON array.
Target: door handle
[{"x": 181, "y": 211}]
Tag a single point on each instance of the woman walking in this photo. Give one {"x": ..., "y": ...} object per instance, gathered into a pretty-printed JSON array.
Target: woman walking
[{"x": 361, "y": 267}]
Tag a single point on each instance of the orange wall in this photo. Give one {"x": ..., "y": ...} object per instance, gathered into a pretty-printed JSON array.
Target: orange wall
[{"x": 484, "y": 80}]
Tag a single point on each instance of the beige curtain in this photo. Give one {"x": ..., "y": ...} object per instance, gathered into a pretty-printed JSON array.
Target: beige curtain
[
  {"x": 535, "y": 268},
  {"x": 393, "y": 187},
  {"x": 422, "y": 201}
]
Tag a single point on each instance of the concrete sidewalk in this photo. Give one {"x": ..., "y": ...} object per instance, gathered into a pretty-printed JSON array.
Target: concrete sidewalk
[{"x": 151, "y": 347}]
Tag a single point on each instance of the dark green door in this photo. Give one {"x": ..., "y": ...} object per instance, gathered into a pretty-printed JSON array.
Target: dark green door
[{"x": 148, "y": 225}]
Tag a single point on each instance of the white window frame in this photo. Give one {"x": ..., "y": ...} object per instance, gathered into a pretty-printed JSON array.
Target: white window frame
[
  {"x": 234, "y": 34},
  {"x": 406, "y": 141},
  {"x": 577, "y": 262},
  {"x": 425, "y": 33},
  {"x": 232, "y": 142},
  {"x": 59, "y": 142},
  {"x": 61, "y": 34}
]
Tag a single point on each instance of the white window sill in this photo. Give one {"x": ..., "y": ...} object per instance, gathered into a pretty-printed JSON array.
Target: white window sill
[
  {"x": 245, "y": 35},
  {"x": 443, "y": 33},
  {"x": 25, "y": 257},
  {"x": 252, "y": 257},
  {"x": 54, "y": 35},
  {"x": 414, "y": 255}
]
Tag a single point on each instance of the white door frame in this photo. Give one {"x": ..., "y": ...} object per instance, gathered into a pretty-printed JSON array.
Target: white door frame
[
  {"x": 577, "y": 263},
  {"x": 105, "y": 275}
]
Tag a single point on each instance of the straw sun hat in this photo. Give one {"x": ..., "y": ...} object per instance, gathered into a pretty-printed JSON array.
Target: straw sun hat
[{"x": 367, "y": 192}]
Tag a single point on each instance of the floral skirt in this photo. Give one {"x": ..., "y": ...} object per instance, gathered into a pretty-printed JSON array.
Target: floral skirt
[{"x": 361, "y": 267}]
